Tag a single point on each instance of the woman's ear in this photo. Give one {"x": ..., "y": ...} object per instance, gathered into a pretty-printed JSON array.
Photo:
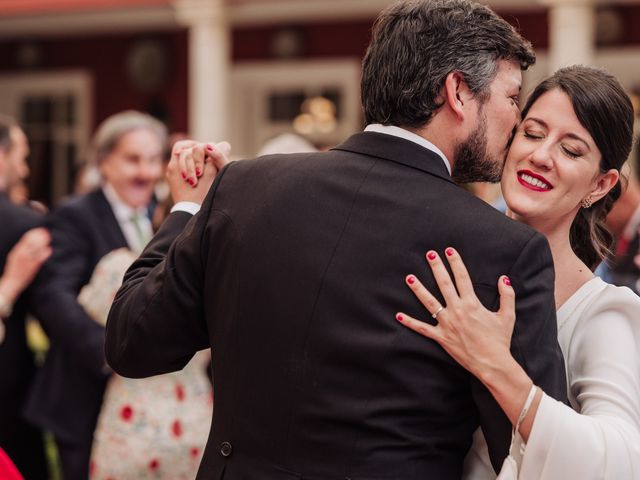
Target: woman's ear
[
  {"x": 457, "y": 94},
  {"x": 604, "y": 183}
]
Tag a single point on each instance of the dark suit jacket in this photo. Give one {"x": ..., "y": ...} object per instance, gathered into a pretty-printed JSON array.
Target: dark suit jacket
[
  {"x": 17, "y": 368},
  {"x": 624, "y": 271},
  {"x": 293, "y": 272},
  {"x": 67, "y": 393}
]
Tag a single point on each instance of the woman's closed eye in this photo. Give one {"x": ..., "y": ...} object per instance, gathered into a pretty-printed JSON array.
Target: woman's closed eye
[
  {"x": 571, "y": 152},
  {"x": 533, "y": 135}
]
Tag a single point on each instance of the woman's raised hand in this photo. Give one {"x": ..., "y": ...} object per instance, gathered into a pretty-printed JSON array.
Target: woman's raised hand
[
  {"x": 193, "y": 168},
  {"x": 24, "y": 261},
  {"x": 475, "y": 337}
]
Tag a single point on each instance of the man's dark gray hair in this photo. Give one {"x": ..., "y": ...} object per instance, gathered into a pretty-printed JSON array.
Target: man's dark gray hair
[
  {"x": 116, "y": 126},
  {"x": 416, "y": 44}
]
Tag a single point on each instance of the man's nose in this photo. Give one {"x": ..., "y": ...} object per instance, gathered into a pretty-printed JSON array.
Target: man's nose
[{"x": 148, "y": 170}]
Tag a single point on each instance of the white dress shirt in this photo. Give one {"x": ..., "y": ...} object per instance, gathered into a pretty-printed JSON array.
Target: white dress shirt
[
  {"x": 125, "y": 215},
  {"x": 407, "y": 135}
]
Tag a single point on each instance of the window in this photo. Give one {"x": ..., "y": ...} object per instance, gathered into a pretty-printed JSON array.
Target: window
[
  {"x": 53, "y": 110},
  {"x": 319, "y": 100}
]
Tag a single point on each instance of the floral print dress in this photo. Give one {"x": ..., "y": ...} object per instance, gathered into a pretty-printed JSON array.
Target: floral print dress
[{"x": 151, "y": 428}]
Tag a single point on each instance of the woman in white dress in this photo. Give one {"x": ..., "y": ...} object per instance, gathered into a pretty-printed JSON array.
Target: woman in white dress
[{"x": 561, "y": 177}]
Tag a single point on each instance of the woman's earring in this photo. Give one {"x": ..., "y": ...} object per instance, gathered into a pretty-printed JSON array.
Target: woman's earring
[{"x": 586, "y": 203}]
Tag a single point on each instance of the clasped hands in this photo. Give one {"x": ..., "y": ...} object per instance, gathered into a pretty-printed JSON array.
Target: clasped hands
[{"x": 193, "y": 167}]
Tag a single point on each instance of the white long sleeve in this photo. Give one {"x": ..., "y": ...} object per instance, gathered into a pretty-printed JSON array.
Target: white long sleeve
[{"x": 601, "y": 344}]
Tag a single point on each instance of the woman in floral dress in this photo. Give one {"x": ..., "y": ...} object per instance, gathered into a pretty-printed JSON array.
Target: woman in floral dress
[{"x": 152, "y": 428}]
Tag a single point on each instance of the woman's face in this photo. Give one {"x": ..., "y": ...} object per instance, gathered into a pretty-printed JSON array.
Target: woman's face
[{"x": 553, "y": 163}]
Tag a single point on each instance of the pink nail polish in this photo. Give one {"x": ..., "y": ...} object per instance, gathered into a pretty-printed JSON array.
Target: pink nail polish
[
  {"x": 198, "y": 172},
  {"x": 209, "y": 148},
  {"x": 506, "y": 281},
  {"x": 431, "y": 255},
  {"x": 411, "y": 279},
  {"x": 184, "y": 176},
  {"x": 399, "y": 317},
  {"x": 449, "y": 252},
  {"x": 191, "y": 182}
]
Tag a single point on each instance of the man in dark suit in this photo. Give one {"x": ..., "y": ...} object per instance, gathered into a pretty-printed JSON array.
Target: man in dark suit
[
  {"x": 21, "y": 440},
  {"x": 67, "y": 394},
  {"x": 623, "y": 268},
  {"x": 294, "y": 268}
]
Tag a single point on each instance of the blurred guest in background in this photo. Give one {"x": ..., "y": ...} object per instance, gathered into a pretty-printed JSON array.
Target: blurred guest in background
[
  {"x": 16, "y": 168},
  {"x": 151, "y": 427},
  {"x": 20, "y": 260},
  {"x": 624, "y": 221},
  {"x": 286, "y": 143},
  {"x": 67, "y": 393}
]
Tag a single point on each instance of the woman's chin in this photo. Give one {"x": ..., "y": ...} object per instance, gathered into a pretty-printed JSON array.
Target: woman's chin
[{"x": 520, "y": 210}]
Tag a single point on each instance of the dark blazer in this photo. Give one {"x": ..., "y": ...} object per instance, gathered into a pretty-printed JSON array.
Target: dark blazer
[
  {"x": 67, "y": 394},
  {"x": 624, "y": 271},
  {"x": 293, "y": 272},
  {"x": 21, "y": 441}
]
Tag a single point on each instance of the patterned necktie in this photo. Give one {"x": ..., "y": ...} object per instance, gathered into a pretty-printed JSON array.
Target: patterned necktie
[{"x": 143, "y": 239}]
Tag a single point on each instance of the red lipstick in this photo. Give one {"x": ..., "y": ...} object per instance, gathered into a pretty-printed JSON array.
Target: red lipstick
[{"x": 533, "y": 181}]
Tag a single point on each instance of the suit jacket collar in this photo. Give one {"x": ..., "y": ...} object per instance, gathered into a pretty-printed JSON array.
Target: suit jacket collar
[
  {"x": 398, "y": 150},
  {"x": 106, "y": 219}
]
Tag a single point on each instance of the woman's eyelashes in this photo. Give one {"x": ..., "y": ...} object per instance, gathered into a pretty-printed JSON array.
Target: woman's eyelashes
[
  {"x": 533, "y": 135},
  {"x": 569, "y": 151}
]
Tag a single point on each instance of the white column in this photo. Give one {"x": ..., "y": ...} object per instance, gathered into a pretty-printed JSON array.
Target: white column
[
  {"x": 572, "y": 32},
  {"x": 209, "y": 67}
]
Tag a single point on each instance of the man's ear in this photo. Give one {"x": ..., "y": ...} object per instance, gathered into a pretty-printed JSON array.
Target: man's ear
[{"x": 456, "y": 94}]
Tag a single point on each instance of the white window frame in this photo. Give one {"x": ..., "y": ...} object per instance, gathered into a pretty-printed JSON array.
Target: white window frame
[
  {"x": 252, "y": 83},
  {"x": 15, "y": 87}
]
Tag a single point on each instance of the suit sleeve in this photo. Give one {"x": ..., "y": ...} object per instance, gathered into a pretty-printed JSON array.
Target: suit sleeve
[
  {"x": 534, "y": 343},
  {"x": 157, "y": 322},
  {"x": 54, "y": 295}
]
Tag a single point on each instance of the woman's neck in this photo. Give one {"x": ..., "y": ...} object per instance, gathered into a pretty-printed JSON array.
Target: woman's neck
[{"x": 571, "y": 272}]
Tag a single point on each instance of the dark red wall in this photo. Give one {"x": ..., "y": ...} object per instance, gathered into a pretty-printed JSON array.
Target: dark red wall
[
  {"x": 534, "y": 26},
  {"x": 630, "y": 15},
  {"x": 105, "y": 57},
  {"x": 346, "y": 39},
  {"x": 350, "y": 39}
]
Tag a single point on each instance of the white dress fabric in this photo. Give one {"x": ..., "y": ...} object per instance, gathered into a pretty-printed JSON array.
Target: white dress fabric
[{"x": 599, "y": 334}]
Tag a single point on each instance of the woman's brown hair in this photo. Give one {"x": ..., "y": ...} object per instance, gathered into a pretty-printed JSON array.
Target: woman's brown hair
[{"x": 605, "y": 110}]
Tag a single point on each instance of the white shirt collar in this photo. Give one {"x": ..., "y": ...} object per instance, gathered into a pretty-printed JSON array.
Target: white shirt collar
[
  {"x": 407, "y": 135},
  {"x": 121, "y": 210},
  {"x": 136, "y": 231}
]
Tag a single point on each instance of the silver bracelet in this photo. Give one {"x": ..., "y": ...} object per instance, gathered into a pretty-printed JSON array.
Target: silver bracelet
[{"x": 525, "y": 408}]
